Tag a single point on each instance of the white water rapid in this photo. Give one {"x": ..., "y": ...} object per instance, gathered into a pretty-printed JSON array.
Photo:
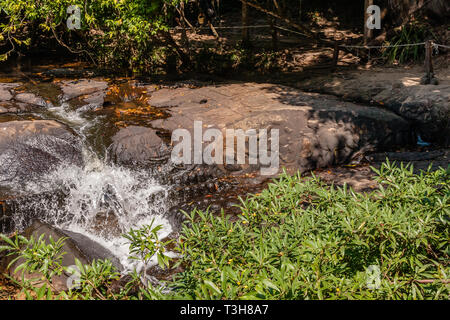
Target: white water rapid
[{"x": 100, "y": 200}]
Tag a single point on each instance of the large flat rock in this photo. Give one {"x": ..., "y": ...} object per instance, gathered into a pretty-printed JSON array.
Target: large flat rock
[
  {"x": 315, "y": 130},
  {"x": 89, "y": 90}
]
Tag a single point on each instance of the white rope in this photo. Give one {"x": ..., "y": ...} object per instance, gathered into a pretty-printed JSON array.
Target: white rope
[
  {"x": 232, "y": 27},
  {"x": 281, "y": 28},
  {"x": 384, "y": 46},
  {"x": 245, "y": 27},
  {"x": 370, "y": 47},
  {"x": 296, "y": 32},
  {"x": 442, "y": 46},
  {"x": 394, "y": 46}
]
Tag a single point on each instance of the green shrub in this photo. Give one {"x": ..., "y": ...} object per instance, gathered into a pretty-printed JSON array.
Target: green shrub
[
  {"x": 125, "y": 33},
  {"x": 301, "y": 239},
  {"x": 408, "y": 34}
]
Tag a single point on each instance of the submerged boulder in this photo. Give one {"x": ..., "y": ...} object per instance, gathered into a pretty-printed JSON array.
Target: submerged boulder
[{"x": 29, "y": 149}]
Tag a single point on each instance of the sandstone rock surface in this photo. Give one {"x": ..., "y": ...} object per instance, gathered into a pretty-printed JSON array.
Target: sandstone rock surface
[
  {"x": 427, "y": 107},
  {"x": 89, "y": 90},
  {"x": 316, "y": 130},
  {"x": 135, "y": 145},
  {"x": 29, "y": 149}
]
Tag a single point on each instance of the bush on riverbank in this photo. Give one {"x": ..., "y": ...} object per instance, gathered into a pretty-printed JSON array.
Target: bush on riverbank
[
  {"x": 129, "y": 34},
  {"x": 301, "y": 239}
]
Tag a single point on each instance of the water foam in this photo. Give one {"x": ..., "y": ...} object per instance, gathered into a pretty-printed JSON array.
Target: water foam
[{"x": 99, "y": 200}]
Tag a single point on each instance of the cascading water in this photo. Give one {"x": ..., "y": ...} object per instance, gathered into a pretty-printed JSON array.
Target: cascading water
[{"x": 100, "y": 200}]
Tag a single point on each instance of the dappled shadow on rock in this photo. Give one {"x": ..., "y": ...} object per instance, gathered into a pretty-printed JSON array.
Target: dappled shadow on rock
[
  {"x": 426, "y": 107},
  {"x": 360, "y": 177},
  {"x": 315, "y": 130}
]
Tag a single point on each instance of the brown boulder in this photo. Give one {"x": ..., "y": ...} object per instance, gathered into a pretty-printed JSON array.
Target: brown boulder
[
  {"x": 137, "y": 146},
  {"x": 76, "y": 246},
  {"x": 5, "y": 91},
  {"x": 29, "y": 149},
  {"x": 91, "y": 89}
]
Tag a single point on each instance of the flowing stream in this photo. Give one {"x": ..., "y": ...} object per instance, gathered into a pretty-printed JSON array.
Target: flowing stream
[{"x": 100, "y": 200}]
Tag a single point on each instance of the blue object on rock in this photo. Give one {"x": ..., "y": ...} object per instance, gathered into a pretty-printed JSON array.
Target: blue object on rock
[{"x": 422, "y": 143}]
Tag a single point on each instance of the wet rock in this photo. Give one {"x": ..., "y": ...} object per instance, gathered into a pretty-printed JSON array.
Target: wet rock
[
  {"x": 6, "y": 212},
  {"x": 86, "y": 87},
  {"x": 165, "y": 274},
  {"x": 18, "y": 208},
  {"x": 7, "y": 103},
  {"x": 14, "y": 107},
  {"x": 91, "y": 249},
  {"x": 76, "y": 246},
  {"x": 29, "y": 149},
  {"x": 6, "y": 91},
  {"x": 107, "y": 221},
  {"x": 69, "y": 73},
  {"x": 420, "y": 160},
  {"x": 408, "y": 156},
  {"x": 138, "y": 146},
  {"x": 31, "y": 99},
  {"x": 95, "y": 99},
  {"x": 5, "y": 95},
  {"x": 315, "y": 130}
]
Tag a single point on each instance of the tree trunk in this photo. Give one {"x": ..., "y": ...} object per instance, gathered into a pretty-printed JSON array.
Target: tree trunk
[
  {"x": 184, "y": 37},
  {"x": 300, "y": 10},
  {"x": 245, "y": 31},
  {"x": 401, "y": 11}
]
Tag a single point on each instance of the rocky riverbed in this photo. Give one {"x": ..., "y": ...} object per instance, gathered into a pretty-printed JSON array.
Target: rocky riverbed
[{"x": 91, "y": 156}]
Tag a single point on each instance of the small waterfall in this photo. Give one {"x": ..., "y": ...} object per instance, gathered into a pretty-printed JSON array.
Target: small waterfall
[{"x": 100, "y": 200}]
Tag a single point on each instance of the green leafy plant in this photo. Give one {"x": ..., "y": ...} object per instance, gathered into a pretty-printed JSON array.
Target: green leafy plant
[
  {"x": 408, "y": 34},
  {"x": 301, "y": 239},
  {"x": 35, "y": 255},
  {"x": 124, "y": 34},
  {"x": 145, "y": 244},
  {"x": 298, "y": 239},
  {"x": 43, "y": 257},
  {"x": 95, "y": 281}
]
